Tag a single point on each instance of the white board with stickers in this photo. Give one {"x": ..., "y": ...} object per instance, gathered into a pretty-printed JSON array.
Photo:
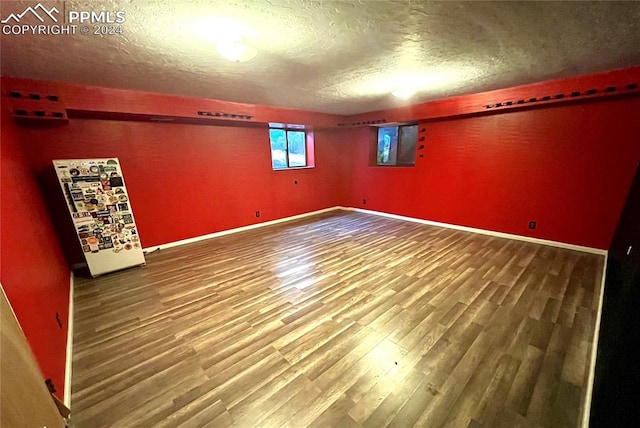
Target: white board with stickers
[{"x": 101, "y": 212}]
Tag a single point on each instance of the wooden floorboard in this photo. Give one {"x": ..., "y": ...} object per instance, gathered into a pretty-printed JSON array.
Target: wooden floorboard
[{"x": 338, "y": 320}]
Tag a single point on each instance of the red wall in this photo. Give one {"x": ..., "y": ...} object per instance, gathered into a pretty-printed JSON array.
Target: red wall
[
  {"x": 186, "y": 180},
  {"x": 568, "y": 167},
  {"x": 33, "y": 271}
]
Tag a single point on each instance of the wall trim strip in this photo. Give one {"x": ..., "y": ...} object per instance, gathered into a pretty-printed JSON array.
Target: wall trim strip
[
  {"x": 558, "y": 244},
  {"x": 486, "y": 232},
  {"x": 237, "y": 230}
]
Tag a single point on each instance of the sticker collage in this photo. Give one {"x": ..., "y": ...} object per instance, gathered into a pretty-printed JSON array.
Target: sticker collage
[{"x": 99, "y": 205}]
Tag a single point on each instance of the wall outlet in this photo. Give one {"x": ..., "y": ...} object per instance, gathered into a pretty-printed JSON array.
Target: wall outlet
[
  {"x": 257, "y": 213},
  {"x": 532, "y": 224}
]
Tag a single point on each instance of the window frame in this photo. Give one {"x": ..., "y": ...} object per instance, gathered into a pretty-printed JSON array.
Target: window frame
[
  {"x": 308, "y": 145},
  {"x": 375, "y": 145}
]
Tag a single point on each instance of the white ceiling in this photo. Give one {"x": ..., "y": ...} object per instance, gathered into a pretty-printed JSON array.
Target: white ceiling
[{"x": 340, "y": 57}]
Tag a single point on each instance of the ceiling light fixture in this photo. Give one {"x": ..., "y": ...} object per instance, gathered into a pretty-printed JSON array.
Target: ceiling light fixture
[
  {"x": 236, "y": 50},
  {"x": 403, "y": 93}
]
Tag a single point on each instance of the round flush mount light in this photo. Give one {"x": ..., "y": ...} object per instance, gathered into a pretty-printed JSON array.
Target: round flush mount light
[
  {"x": 403, "y": 93},
  {"x": 236, "y": 50},
  {"x": 229, "y": 35}
]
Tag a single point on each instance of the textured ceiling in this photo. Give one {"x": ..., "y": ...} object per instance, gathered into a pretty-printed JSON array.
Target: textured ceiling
[{"x": 341, "y": 57}]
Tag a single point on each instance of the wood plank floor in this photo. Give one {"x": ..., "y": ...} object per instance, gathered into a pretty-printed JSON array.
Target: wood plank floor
[{"x": 338, "y": 320}]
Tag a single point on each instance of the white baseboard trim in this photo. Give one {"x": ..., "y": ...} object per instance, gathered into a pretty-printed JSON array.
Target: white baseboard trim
[
  {"x": 557, "y": 244},
  {"x": 594, "y": 352},
  {"x": 486, "y": 232},
  {"x": 237, "y": 230},
  {"x": 69, "y": 356}
]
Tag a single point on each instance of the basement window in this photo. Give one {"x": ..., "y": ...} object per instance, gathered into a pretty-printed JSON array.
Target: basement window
[
  {"x": 290, "y": 146},
  {"x": 396, "y": 145}
]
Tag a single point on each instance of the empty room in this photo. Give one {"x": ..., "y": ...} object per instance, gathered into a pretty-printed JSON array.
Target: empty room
[{"x": 339, "y": 213}]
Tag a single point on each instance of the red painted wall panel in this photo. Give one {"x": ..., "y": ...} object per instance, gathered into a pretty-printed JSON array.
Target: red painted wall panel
[
  {"x": 566, "y": 167},
  {"x": 185, "y": 181},
  {"x": 33, "y": 271}
]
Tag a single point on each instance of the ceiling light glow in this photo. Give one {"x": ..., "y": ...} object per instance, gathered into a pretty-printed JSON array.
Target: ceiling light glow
[
  {"x": 404, "y": 93},
  {"x": 380, "y": 83},
  {"x": 236, "y": 50},
  {"x": 230, "y": 36}
]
